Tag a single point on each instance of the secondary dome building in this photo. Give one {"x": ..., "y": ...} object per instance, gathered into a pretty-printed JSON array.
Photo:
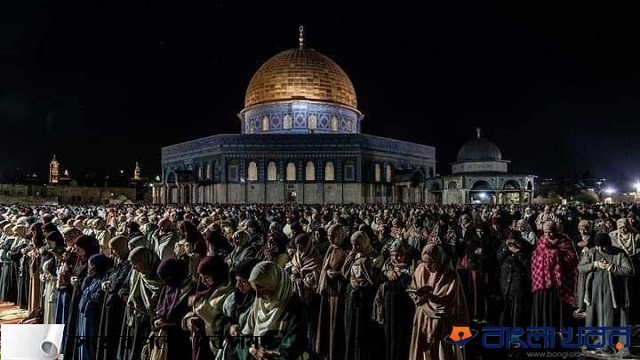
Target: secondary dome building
[
  {"x": 480, "y": 175},
  {"x": 300, "y": 142}
]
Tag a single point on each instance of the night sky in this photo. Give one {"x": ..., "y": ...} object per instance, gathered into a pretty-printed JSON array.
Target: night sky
[{"x": 105, "y": 83}]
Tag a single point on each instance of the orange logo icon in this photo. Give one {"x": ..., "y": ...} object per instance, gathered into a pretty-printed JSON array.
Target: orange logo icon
[{"x": 460, "y": 335}]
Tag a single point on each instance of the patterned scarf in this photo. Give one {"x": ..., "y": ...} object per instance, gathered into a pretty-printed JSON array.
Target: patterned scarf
[{"x": 554, "y": 265}]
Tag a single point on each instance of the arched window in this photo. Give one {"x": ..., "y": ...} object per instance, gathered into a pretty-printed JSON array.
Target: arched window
[
  {"x": 272, "y": 172},
  {"x": 313, "y": 122},
  {"x": 377, "y": 173},
  {"x": 265, "y": 123},
  {"x": 349, "y": 170},
  {"x": 291, "y": 172},
  {"x": 334, "y": 124},
  {"x": 252, "y": 174},
  {"x": 329, "y": 174},
  {"x": 233, "y": 171},
  {"x": 387, "y": 173},
  {"x": 310, "y": 172},
  {"x": 208, "y": 172},
  {"x": 200, "y": 172},
  {"x": 287, "y": 123}
]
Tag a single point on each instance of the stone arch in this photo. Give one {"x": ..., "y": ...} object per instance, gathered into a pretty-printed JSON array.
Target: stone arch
[
  {"x": 481, "y": 185},
  {"x": 435, "y": 186},
  {"x": 172, "y": 178},
  {"x": 529, "y": 185},
  {"x": 511, "y": 185},
  {"x": 452, "y": 185}
]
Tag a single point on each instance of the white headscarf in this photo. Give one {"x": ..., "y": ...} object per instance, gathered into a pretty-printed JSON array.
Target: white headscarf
[{"x": 265, "y": 314}]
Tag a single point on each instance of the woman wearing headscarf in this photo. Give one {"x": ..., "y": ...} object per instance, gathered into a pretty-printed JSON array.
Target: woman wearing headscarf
[
  {"x": 607, "y": 293},
  {"x": 170, "y": 341},
  {"x": 514, "y": 278},
  {"x": 90, "y": 306},
  {"x": 304, "y": 269},
  {"x": 526, "y": 232},
  {"x": 362, "y": 271},
  {"x": 116, "y": 287},
  {"x": 331, "y": 286},
  {"x": 321, "y": 240},
  {"x": 236, "y": 307},
  {"x": 145, "y": 288},
  {"x": 35, "y": 263},
  {"x": 393, "y": 308},
  {"x": 276, "y": 318},
  {"x": 627, "y": 238},
  {"x": 242, "y": 248},
  {"x": 583, "y": 242},
  {"x": 217, "y": 244},
  {"x": 554, "y": 266},
  {"x": 274, "y": 249},
  {"x": 191, "y": 247},
  {"x": 206, "y": 320},
  {"x": 85, "y": 247},
  {"x": 440, "y": 305},
  {"x": 24, "y": 248},
  {"x": 481, "y": 252},
  {"x": 49, "y": 276},
  {"x": 9, "y": 277}
]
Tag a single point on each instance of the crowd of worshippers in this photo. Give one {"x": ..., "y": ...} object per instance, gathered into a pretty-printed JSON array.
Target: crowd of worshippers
[{"x": 345, "y": 282}]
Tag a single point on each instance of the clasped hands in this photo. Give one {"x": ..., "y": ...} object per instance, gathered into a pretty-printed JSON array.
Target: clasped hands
[
  {"x": 601, "y": 264},
  {"x": 261, "y": 353}
]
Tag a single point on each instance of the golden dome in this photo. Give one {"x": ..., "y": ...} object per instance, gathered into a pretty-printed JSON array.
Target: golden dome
[{"x": 300, "y": 74}]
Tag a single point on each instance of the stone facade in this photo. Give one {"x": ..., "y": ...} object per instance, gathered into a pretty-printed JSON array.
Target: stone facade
[
  {"x": 60, "y": 194},
  {"x": 288, "y": 168}
]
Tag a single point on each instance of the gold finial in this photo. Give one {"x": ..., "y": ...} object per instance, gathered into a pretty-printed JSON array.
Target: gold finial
[
  {"x": 478, "y": 131},
  {"x": 301, "y": 36}
]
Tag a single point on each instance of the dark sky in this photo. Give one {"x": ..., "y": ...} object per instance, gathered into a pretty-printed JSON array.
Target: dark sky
[{"x": 105, "y": 83}]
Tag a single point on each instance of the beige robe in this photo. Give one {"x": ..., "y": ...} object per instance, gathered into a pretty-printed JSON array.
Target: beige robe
[{"x": 437, "y": 313}]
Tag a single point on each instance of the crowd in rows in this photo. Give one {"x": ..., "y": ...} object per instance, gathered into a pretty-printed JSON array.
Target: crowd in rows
[{"x": 349, "y": 282}]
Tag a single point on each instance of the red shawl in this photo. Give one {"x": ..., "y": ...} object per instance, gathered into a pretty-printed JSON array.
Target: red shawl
[{"x": 555, "y": 266}]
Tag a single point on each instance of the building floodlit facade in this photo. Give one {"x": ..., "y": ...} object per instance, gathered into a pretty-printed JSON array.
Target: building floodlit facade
[
  {"x": 481, "y": 176},
  {"x": 300, "y": 142}
]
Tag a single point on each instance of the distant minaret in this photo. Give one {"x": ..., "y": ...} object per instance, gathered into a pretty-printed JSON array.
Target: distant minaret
[
  {"x": 136, "y": 172},
  {"x": 479, "y": 131},
  {"x": 54, "y": 171}
]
